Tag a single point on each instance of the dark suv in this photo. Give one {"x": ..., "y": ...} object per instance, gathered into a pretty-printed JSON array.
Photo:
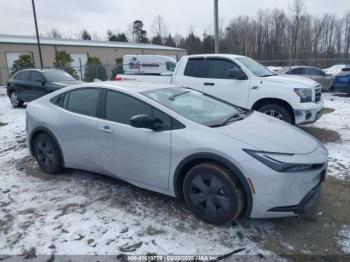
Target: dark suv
[{"x": 30, "y": 84}]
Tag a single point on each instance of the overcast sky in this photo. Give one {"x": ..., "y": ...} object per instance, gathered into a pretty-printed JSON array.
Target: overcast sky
[{"x": 181, "y": 16}]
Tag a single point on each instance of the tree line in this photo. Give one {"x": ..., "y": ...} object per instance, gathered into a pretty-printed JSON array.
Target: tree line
[{"x": 272, "y": 34}]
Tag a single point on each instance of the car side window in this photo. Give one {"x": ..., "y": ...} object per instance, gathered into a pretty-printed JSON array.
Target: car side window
[
  {"x": 121, "y": 108},
  {"x": 36, "y": 76},
  {"x": 196, "y": 67},
  {"x": 219, "y": 68},
  {"x": 83, "y": 101},
  {"x": 18, "y": 75},
  {"x": 24, "y": 76},
  {"x": 296, "y": 71}
]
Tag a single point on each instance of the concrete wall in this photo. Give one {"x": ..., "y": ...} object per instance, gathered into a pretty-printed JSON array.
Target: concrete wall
[{"x": 107, "y": 55}]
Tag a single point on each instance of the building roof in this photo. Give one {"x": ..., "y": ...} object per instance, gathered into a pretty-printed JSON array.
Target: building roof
[{"x": 16, "y": 39}]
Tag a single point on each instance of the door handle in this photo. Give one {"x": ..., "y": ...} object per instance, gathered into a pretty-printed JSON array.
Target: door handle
[
  {"x": 209, "y": 84},
  {"x": 106, "y": 129}
]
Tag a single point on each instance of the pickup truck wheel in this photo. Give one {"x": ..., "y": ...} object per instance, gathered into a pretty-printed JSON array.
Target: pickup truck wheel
[
  {"x": 15, "y": 101},
  {"x": 276, "y": 111},
  {"x": 212, "y": 195}
]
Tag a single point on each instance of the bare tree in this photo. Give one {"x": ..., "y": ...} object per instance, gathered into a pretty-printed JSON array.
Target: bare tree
[
  {"x": 158, "y": 28},
  {"x": 297, "y": 11},
  {"x": 347, "y": 34}
]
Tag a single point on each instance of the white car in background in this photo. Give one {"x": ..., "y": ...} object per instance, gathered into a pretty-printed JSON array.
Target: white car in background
[{"x": 334, "y": 70}]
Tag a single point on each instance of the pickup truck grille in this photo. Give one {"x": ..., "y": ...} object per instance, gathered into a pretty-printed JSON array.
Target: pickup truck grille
[{"x": 318, "y": 94}]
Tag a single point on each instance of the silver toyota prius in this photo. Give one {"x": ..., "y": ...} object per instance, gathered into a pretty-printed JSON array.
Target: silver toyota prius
[{"x": 222, "y": 160}]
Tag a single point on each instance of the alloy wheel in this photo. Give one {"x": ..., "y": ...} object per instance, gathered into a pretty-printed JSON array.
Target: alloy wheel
[
  {"x": 274, "y": 113},
  {"x": 14, "y": 99}
]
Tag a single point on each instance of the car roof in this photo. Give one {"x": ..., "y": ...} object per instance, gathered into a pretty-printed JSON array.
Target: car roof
[
  {"x": 232, "y": 56},
  {"x": 41, "y": 70},
  {"x": 130, "y": 86}
]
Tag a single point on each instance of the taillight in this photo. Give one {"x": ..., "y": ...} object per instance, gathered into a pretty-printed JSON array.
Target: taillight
[{"x": 118, "y": 78}]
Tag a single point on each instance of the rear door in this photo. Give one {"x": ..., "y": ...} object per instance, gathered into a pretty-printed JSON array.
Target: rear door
[
  {"x": 77, "y": 127},
  {"x": 134, "y": 154},
  {"x": 217, "y": 82},
  {"x": 320, "y": 76}
]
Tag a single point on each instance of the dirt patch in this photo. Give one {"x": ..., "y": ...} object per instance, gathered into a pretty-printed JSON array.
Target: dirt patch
[
  {"x": 328, "y": 110},
  {"x": 324, "y": 135},
  {"x": 316, "y": 232}
]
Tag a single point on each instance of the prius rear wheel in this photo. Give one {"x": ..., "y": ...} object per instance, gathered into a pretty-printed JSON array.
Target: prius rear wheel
[{"x": 212, "y": 194}]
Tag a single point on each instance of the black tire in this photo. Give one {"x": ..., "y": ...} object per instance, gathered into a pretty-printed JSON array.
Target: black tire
[
  {"x": 47, "y": 154},
  {"x": 15, "y": 102},
  {"x": 212, "y": 194},
  {"x": 277, "y": 111}
]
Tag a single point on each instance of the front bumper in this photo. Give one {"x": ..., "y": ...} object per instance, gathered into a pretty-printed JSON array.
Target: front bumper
[
  {"x": 307, "y": 116},
  {"x": 341, "y": 87},
  {"x": 307, "y": 203},
  {"x": 285, "y": 194}
]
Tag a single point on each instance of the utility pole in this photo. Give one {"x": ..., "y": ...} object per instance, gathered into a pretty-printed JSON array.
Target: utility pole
[
  {"x": 37, "y": 35},
  {"x": 216, "y": 25}
]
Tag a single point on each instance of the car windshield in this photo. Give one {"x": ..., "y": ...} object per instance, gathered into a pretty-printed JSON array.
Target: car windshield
[
  {"x": 58, "y": 76},
  {"x": 195, "y": 105},
  {"x": 255, "y": 67}
]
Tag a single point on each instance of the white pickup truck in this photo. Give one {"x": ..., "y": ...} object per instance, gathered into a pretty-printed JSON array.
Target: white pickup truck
[{"x": 244, "y": 82}]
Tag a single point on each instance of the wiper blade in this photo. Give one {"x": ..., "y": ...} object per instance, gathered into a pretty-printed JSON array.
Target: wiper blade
[
  {"x": 229, "y": 119},
  {"x": 172, "y": 98},
  {"x": 268, "y": 75}
]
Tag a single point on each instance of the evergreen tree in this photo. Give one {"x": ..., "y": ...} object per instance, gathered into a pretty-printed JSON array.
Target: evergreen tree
[
  {"x": 24, "y": 61},
  {"x": 169, "y": 41},
  {"x": 94, "y": 69},
  {"x": 139, "y": 33},
  {"x": 85, "y": 35},
  {"x": 63, "y": 61}
]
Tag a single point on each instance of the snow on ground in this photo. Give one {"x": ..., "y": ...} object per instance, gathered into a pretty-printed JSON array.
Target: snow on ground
[
  {"x": 339, "y": 121},
  {"x": 344, "y": 239},
  {"x": 83, "y": 213}
]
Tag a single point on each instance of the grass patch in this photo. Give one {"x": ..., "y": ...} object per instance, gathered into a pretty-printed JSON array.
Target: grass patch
[{"x": 328, "y": 110}]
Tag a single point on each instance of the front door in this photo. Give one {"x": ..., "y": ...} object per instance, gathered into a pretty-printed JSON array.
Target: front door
[
  {"x": 36, "y": 85},
  {"x": 217, "y": 82},
  {"x": 134, "y": 154}
]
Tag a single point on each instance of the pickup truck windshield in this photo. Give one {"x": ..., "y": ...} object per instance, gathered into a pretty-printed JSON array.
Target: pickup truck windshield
[
  {"x": 256, "y": 68},
  {"x": 194, "y": 105}
]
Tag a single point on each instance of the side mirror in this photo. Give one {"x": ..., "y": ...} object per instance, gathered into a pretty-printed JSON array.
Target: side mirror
[
  {"x": 236, "y": 74},
  {"x": 145, "y": 121},
  {"x": 40, "y": 80}
]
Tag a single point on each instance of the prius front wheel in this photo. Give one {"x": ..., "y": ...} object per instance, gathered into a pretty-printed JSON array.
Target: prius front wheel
[{"x": 212, "y": 194}]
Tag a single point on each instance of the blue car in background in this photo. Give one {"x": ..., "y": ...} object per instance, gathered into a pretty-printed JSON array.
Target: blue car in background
[{"x": 342, "y": 81}]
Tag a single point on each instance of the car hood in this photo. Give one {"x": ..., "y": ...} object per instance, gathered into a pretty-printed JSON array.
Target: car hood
[
  {"x": 288, "y": 80},
  {"x": 270, "y": 134}
]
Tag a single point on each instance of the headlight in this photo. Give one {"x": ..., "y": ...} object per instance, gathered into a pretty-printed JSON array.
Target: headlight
[
  {"x": 267, "y": 159},
  {"x": 305, "y": 94}
]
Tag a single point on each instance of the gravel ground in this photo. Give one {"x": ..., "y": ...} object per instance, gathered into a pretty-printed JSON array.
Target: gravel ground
[{"x": 84, "y": 213}]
